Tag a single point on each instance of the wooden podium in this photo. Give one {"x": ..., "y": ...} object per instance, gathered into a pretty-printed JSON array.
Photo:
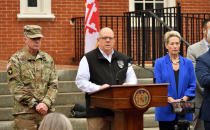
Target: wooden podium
[{"x": 130, "y": 102}]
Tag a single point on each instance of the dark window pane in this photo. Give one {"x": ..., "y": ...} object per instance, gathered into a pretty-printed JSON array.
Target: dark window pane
[
  {"x": 32, "y": 3},
  {"x": 159, "y": 0},
  {"x": 138, "y": 6},
  {"x": 159, "y": 5},
  {"x": 149, "y": 6}
]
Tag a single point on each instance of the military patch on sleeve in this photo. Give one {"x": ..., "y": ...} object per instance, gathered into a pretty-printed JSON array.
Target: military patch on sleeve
[{"x": 10, "y": 71}]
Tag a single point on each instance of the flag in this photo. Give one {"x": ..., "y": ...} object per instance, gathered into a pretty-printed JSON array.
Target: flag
[{"x": 91, "y": 25}]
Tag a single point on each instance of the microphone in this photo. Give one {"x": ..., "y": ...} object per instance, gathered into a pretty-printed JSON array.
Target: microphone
[{"x": 130, "y": 62}]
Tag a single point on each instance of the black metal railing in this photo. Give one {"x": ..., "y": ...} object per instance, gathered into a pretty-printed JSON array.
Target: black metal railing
[
  {"x": 79, "y": 38},
  {"x": 192, "y": 26},
  {"x": 149, "y": 28},
  {"x": 140, "y": 34}
]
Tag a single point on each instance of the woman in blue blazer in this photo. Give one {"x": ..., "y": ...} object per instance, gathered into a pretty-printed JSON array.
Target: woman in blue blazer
[{"x": 179, "y": 72}]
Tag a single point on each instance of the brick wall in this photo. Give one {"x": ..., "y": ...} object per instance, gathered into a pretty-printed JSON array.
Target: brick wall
[
  {"x": 59, "y": 34},
  {"x": 195, "y": 6}
]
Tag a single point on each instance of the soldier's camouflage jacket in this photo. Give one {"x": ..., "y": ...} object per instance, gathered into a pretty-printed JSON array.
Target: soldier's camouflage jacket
[{"x": 32, "y": 79}]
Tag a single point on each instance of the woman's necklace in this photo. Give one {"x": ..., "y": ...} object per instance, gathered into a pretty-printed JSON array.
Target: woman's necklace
[{"x": 175, "y": 63}]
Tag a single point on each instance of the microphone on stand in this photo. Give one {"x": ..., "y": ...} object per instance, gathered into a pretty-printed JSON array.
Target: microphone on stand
[{"x": 130, "y": 62}]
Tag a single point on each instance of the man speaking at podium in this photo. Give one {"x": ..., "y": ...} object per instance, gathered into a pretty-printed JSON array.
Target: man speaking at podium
[{"x": 99, "y": 69}]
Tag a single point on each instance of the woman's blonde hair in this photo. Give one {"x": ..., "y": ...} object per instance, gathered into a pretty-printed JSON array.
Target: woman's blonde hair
[
  {"x": 55, "y": 121},
  {"x": 171, "y": 34}
]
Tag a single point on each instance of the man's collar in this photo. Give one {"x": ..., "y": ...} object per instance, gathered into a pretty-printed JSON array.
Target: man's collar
[
  {"x": 29, "y": 56},
  {"x": 104, "y": 54},
  {"x": 206, "y": 43}
]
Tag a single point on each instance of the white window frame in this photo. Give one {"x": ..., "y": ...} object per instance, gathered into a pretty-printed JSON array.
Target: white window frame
[
  {"x": 41, "y": 12},
  {"x": 166, "y": 3}
]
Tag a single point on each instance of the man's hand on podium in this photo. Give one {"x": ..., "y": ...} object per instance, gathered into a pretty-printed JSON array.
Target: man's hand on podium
[
  {"x": 104, "y": 86},
  {"x": 124, "y": 84}
]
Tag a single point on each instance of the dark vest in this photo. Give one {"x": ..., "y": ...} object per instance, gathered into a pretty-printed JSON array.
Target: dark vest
[{"x": 104, "y": 72}]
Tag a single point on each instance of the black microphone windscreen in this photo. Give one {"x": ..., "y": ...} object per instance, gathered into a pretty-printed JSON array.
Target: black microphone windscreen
[{"x": 131, "y": 61}]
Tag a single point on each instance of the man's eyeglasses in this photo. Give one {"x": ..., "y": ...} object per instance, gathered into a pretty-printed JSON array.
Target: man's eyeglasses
[{"x": 109, "y": 38}]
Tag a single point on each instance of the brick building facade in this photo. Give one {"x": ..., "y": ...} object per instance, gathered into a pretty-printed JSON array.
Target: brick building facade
[{"x": 59, "y": 32}]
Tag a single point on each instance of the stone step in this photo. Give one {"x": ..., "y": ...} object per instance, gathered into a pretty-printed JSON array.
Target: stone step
[
  {"x": 77, "y": 123},
  {"x": 145, "y": 81},
  {"x": 65, "y": 109},
  {"x": 3, "y": 77},
  {"x": 6, "y": 113},
  {"x": 4, "y": 89},
  {"x": 67, "y": 86},
  {"x": 149, "y": 121},
  {"x": 151, "y": 110},
  {"x": 67, "y": 75},
  {"x": 70, "y": 98},
  {"x": 157, "y": 128},
  {"x": 6, "y": 125},
  {"x": 143, "y": 72},
  {"x": 62, "y": 99},
  {"x": 63, "y": 87},
  {"x": 70, "y": 86},
  {"x": 6, "y": 101},
  {"x": 70, "y": 74},
  {"x": 80, "y": 123},
  {"x": 64, "y": 75}
]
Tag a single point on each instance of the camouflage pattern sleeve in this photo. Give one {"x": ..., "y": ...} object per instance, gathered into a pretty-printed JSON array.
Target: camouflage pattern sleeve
[
  {"x": 50, "y": 97},
  {"x": 20, "y": 92}
]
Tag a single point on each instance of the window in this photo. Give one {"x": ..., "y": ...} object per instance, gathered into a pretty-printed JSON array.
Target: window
[
  {"x": 148, "y": 4},
  {"x": 32, "y": 3},
  {"x": 135, "y": 5},
  {"x": 35, "y": 10},
  {"x": 138, "y": 5}
]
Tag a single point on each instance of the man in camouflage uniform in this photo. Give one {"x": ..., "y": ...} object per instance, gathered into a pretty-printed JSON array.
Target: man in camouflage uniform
[{"x": 33, "y": 80}]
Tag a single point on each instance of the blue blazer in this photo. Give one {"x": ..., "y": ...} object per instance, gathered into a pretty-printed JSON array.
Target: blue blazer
[
  {"x": 202, "y": 70},
  {"x": 164, "y": 73}
]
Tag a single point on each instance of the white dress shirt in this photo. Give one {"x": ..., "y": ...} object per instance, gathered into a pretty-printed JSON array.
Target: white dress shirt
[
  {"x": 83, "y": 75},
  {"x": 206, "y": 43}
]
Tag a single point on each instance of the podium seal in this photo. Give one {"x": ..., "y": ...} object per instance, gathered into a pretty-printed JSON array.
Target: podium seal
[{"x": 141, "y": 98}]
